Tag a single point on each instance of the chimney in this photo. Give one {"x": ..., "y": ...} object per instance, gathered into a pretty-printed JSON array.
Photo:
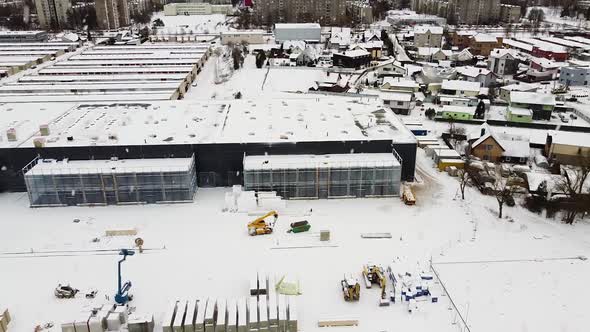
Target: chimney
[{"x": 483, "y": 132}]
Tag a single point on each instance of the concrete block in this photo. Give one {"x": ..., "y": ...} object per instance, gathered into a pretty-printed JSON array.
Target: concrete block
[
  {"x": 273, "y": 312},
  {"x": 169, "y": 317},
  {"x": 189, "y": 320},
  {"x": 292, "y": 314},
  {"x": 122, "y": 312},
  {"x": 253, "y": 314},
  {"x": 282, "y": 313},
  {"x": 254, "y": 285},
  {"x": 113, "y": 322},
  {"x": 200, "y": 316},
  {"x": 262, "y": 283},
  {"x": 81, "y": 323},
  {"x": 68, "y": 327},
  {"x": 141, "y": 323},
  {"x": 210, "y": 312},
  {"x": 221, "y": 315},
  {"x": 324, "y": 235},
  {"x": 232, "y": 316},
  {"x": 242, "y": 316},
  {"x": 95, "y": 325},
  {"x": 178, "y": 324}
]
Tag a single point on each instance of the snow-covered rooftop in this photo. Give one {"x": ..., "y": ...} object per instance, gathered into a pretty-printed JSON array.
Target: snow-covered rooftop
[
  {"x": 297, "y": 26},
  {"x": 569, "y": 138},
  {"x": 420, "y": 29},
  {"x": 522, "y": 97},
  {"x": 485, "y": 38},
  {"x": 354, "y": 53},
  {"x": 517, "y": 44},
  {"x": 320, "y": 161},
  {"x": 460, "y": 85},
  {"x": 188, "y": 122},
  {"x": 149, "y": 165},
  {"x": 521, "y": 111},
  {"x": 340, "y": 36},
  {"x": 520, "y": 86},
  {"x": 471, "y": 71}
]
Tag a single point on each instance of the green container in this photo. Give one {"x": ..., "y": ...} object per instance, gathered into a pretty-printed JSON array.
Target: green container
[{"x": 299, "y": 229}]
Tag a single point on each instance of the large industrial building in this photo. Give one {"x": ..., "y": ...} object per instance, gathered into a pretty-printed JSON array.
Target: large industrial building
[
  {"x": 110, "y": 73},
  {"x": 18, "y": 56},
  {"x": 219, "y": 134}
]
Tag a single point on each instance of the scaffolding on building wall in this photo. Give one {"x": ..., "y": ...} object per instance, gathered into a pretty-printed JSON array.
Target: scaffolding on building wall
[
  {"x": 312, "y": 180},
  {"x": 131, "y": 181}
]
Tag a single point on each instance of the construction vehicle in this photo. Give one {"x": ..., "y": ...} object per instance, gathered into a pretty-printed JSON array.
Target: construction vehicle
[
  {"x": 122, "y": 296},
  {"x": 299, "y": 226},
  {"x": 351, "y": 288},
  {"x": 65, "y": 292},
  {"x": 375, "y": 275},
  {"x": 260, "y": 226},
  {"x": 408, "y": 195}
]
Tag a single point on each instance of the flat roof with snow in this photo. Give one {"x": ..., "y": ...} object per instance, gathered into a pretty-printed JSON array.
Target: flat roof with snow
[
  {"x": 534, "y": 98},
  {"x": 356, "y": 160},
  {"x": 460, "y": 85},
  {"x": 297, "y": 26},
  {"x": 115, "y": 166},
  {"x": 192, "y": 122}
]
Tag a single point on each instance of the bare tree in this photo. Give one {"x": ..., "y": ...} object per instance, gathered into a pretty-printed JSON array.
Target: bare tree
[
  {"x": 573, "y": 185},
  {"x": 502, "y": 190}
]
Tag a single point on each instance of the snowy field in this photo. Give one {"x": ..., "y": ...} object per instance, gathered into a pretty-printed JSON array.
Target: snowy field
[
  {"x": 206, "y": 24},
  {"x": 200, "y": 251},
  {"x": 254, "y": 83}
]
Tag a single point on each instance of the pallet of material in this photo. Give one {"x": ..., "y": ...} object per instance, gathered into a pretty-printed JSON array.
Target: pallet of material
[
  {"x": 67, "y": 327},
  {"x": 200, "y": 315},
  {"x": 232, "y": 316},
  {"x": 121, "y": 232},
  {"x": 221, "y": 316},
  {"x": 376, "y": 235},
  {"x": 189, "y": 320},
  {"x": 339, "y": 322}
]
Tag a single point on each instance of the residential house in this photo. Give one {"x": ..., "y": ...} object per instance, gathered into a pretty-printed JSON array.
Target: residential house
[
  {"x": 483, "y": 44},
  {"x": 373, "y": 47},
  {"x": 356, "y": 59},
  {"x": 456, "y": 112},
  {"x": 494, "y": 146},
  {"x": 523, "y": 87},
  {"x": 516, "y": 114},
  {"x": 568, "y": 147},
  {"x": 390, "y": 68},
  {"x": 541, "y": 104},
  {"x": 460, "y": 88},
  {"x": 503, "y": 61},
  {"x": 480, "y": 75},
  {"x": 463, "y": 56},
  {"x": 462, "y": 39},
  {"x": 509, "y": 13},
  {"x": 400, "y": 85},
  {"x": 432, "y": 54},
  {"x": 399, "y": 102},
  {"x": 428, "y": 36},
  {"x": 340, "y": 38},
  {"x": 575, "y": 75}
]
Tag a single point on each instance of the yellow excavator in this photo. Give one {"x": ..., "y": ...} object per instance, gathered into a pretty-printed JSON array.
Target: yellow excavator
[
  {"x": 260, "y": 226},
  {"x": 351, "y": 288},
  {"x": 375, "y": 274}
]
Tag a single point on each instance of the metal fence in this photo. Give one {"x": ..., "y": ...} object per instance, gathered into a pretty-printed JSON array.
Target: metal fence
[{"x": 126, "y": 186}]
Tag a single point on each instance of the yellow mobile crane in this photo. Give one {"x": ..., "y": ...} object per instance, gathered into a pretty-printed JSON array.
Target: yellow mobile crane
[
  {"x": 350, "y": 288},
  {"x": 375, "y": 274},
  {"x": 260, "y": 226}
]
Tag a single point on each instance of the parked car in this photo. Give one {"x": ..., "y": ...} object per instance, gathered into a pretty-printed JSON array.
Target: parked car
[{"x": 573, "y": 116}]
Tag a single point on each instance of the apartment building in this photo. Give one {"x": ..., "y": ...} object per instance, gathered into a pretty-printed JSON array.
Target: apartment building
[
  {"x": 53, "y": 14},
  {"x": 112, "y": 14},
  {"x": 326, "y": 12}
]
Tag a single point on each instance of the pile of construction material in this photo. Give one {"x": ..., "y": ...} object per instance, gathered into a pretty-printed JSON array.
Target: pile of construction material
[
  {"x": 4, "y": 319},
  {"x": 413, "y": 288},
  {"x": 109, "y": 318},
  {"x": 264, "y": 311},
  {"x": 239, "y": 200}
]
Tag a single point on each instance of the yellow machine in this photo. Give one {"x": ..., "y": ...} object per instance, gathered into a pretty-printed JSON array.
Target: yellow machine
[
  {"x": 260, "y": 226},
  {"x": 408, "y": 196},
  {"x": 351, "y": 288},
  {"x": 375, "y": 274}
]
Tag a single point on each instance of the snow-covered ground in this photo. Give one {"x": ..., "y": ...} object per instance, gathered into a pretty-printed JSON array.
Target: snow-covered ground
[
  {"x": 201, "y": 251},
  {"x": 254, "y": 83},
  {"x": 206, "y": 24},
  {"x": 553, "y": 15}
]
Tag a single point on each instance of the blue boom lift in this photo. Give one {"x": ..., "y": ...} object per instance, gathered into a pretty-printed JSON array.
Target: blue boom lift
[{"x": 122, "y": 296}]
